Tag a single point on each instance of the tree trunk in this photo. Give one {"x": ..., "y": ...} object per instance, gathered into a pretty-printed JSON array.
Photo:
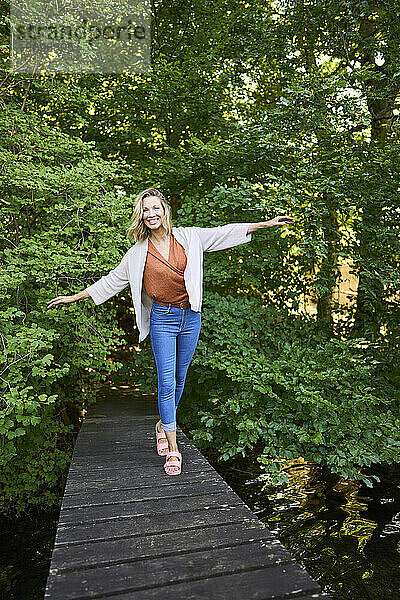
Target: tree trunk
[
  {"x": 381, "y": 100},
  {"x": 175, "y": 201},
  {"x": 370, "y": 292},
  {"x": 328, "y": 272}
]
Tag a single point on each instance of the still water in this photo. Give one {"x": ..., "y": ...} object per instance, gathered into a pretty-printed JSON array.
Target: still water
[
  {"x": 347, "y": 536},
  {"x": 26, "y": 545}
]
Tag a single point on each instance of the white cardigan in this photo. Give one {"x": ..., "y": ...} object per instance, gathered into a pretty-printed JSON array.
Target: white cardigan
[{"x": 195, "y": 241}]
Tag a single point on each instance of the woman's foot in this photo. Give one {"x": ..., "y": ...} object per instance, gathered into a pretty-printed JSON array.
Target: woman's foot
[
  {"x": 161, "y": 441},
  {"x": 160, "y": 430},
  {"x": 170, "y": 467},
  {"x": 172, "y": 464}
]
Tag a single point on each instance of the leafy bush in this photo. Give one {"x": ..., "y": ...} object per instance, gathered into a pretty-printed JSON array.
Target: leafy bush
[
  {"x": 259, "y": 377},
  {"x": 55, "y": 219}
]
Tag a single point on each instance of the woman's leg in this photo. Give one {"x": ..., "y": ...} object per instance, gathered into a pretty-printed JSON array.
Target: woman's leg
[
  {"x": 163, "y": 343},
  {"x": 164, "y": 327},
  {"x": 186, "y": 343}
]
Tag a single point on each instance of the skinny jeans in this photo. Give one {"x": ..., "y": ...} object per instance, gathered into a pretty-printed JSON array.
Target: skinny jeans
[{"x": 174, "y": 333}]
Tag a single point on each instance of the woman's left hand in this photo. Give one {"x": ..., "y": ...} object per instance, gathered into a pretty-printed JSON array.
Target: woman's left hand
[{"x": 281, "y": 220}]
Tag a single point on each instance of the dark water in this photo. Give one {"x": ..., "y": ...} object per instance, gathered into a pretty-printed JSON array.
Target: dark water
[
  {"x": 347, "y": 536},
  {"x": 26, "y": 545}
]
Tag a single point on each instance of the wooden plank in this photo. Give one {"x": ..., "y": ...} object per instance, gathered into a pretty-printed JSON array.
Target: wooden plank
[
  {"x": 152, "y": 473},
  {"x": 137, "y": 443},
  {"x": 179, "y": 567},
  {"x": 146, "y": 441},
  {"x": 108, "y": 552},
  {"x": 148, "y": 507},
  {"x": 84, "y": 532},
  {"x": 83, "y": 487},
  {"x": 147, "y": 462},
  {"x": 315, "y": 597},
  {"x": 251, "y": 562},
  {"x": 138, "y": 494},
  {"x": 118, "y": 451},
  {"x": 128, "y": 426},
  {"x": 149, "y": 455},
  {"x": 123, "y": 423},
  {"x": 224, "y": 588},
  {"x": 125, "y": 440}
]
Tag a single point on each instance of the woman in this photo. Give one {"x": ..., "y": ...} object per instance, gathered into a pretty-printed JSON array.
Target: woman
[{"x": 165, "y": 272}]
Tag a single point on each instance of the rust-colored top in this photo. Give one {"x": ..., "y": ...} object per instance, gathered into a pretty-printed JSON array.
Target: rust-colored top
[{"x": 163, "y": 279}]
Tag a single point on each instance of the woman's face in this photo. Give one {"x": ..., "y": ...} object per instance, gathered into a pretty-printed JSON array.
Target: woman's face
[{"x": 152, "y": 212}]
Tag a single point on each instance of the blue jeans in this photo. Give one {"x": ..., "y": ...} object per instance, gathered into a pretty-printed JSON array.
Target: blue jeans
[{"x": 174, "y": 333}]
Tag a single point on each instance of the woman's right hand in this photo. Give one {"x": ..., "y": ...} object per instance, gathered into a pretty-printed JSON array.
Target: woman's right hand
[{"x": 61, "y": 300}]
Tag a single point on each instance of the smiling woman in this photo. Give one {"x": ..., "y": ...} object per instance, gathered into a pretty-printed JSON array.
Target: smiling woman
[
  {"x": 151, "y": 216},
  {"x": 164, "y": 269}
]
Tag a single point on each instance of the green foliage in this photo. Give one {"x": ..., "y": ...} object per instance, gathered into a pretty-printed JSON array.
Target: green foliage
[
  {"x": 58, "y": 207},
  {"x": 259, "y": 377}
]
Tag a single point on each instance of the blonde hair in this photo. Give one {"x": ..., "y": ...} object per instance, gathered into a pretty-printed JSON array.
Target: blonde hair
[{"x": 137, "y": 230}]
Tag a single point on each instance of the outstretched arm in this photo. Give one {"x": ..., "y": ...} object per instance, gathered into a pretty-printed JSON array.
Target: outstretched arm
[
  {"x": 103, "y": 289},
  {"x": 223, "y": 236},
  {"x": 233, "y": 234},
  {"x": 279, "y": 220},
  {"x": 67, "y": 299},
  {"x": 109, "y": 285}
]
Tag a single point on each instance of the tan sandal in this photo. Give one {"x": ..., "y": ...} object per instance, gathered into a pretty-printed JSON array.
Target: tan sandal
[
  {"x": 162, "y": 447},
  {"x": 176, "y": 464}
]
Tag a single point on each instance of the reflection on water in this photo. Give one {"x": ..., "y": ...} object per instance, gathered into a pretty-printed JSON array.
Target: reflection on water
[{"x": 346, "y": 535}]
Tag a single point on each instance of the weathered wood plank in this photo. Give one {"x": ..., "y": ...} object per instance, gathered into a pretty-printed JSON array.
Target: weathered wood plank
[
  {"x": 253, "y": 585},
  {"x": 161, "y": 544},
  {"x": 131, "y": 457},
  {"x": 151, "y": 473},
  {"x": 84, "y": 532},
  {"x": 179, "y": 567},
  {"x": 82, "y": 487},
  {"x": 128, "y": 530},
  {"x": 145, "y": 442},
  {"x": 167, "y": 506},
  {"x": 116, "y": 459},
  {"x": 141, "y": 493},
  {"x": 136, "y": 445}
]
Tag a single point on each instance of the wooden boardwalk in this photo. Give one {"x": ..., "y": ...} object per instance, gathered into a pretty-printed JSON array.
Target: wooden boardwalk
[{"x": 128, "y": 531}]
